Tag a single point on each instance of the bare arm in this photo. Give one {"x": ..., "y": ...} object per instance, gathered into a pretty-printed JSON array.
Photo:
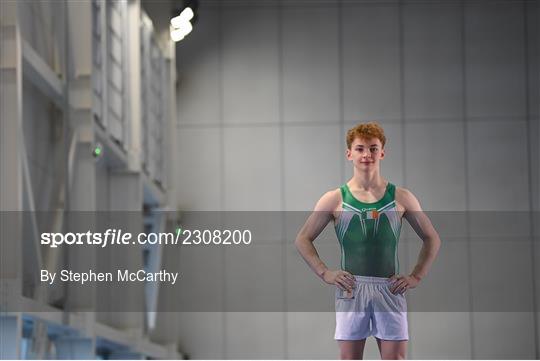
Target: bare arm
[
  {"x": 421, "y": 224},
  {"x": 315, "y": 224}
]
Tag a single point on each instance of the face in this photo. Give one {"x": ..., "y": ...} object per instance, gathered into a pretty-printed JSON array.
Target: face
[{"x": 365, "y": 153}]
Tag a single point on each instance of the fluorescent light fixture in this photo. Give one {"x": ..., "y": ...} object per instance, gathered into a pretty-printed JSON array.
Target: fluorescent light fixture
[
  {"x": 179, "y": 33},
  {"x": 186, "y": 28},
  {"x": 185, "y": 16}
]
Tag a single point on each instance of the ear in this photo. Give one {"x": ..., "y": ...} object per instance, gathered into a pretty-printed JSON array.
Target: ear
[
  {"x": 382, "y": 154},
  {"x": 348, "y": 154}
]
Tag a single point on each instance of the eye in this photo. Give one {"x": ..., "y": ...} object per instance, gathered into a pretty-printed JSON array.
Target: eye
[{"x": 373, "y": 150}]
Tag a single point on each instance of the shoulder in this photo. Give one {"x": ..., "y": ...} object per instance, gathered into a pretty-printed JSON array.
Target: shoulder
[
  {"x": 407, "y": 199},
  {"x": 329, "y": 201}
]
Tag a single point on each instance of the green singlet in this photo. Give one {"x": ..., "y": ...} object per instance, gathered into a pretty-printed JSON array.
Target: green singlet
[{"x": 368, "y": 234}]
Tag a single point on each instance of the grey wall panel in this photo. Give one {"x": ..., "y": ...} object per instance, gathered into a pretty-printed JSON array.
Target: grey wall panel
[
  {"x": 495, "y": 59},
  {"x": 254, "y": 335},
  {"x": 198, "y": 175},
  {"x": 199, "y": 84},
  {"x": 310, "y": 169},
  {"x": 452, "y": 256},
  {"x": 496, "y": 161},
  {"x": 201, "y": 335},
  {"x": 511, "y": 260},
  {"x": 434, "y": 335},
  {"x": 224, "y": 66},
  {"x": 515, "y": 328},
  {"x": 439, "y": 335},
  {"x": 432, "y": 57},
  {"x": 301, "y": 339},
  {"x": 302, "y": 281},
  {"x": 435, "y": 157},
  {"x": 250, "y": 65},
  {"x": 310, "y": 64},
  {"x": 254, "y": 154},
  {"x": 370, "y": 62},
  {"x": 257, "y": 271}
]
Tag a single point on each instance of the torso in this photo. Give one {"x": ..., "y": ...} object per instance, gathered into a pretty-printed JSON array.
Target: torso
[{"x": 368, "y": 225}]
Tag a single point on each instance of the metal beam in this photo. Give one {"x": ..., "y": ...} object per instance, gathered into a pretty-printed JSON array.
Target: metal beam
[{"x": 39, "y": 73}]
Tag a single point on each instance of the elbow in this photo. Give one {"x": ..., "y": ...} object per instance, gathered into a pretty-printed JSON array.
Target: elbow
[
  {"x": 300, "y": 241},
  {"x": 435, "y": 243}
]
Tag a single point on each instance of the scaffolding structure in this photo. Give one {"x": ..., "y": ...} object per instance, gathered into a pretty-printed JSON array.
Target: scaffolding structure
[{"x": 87, "y": 109}]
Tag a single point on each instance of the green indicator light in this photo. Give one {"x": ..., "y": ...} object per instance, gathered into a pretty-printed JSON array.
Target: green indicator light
[{"x": 97, "y": 151}]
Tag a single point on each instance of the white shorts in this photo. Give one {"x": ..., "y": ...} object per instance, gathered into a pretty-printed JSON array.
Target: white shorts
[{"x": 374, "y": 311}]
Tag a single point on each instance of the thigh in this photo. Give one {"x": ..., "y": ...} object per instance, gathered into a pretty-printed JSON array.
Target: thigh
[
  {"x": 392, "y": 350},
  {"x": 390, "y": 316},
  {"x": 351, "y": 350}
]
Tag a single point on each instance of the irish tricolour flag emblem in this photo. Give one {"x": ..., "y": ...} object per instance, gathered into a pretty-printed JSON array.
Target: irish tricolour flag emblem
[{"x": 370, "y": 214}]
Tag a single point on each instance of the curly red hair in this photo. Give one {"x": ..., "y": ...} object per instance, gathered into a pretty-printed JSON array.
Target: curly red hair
[{"x": 366, "y": 131}]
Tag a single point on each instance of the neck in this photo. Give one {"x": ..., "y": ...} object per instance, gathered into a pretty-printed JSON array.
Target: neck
[{"x": 367, "y": 179}]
